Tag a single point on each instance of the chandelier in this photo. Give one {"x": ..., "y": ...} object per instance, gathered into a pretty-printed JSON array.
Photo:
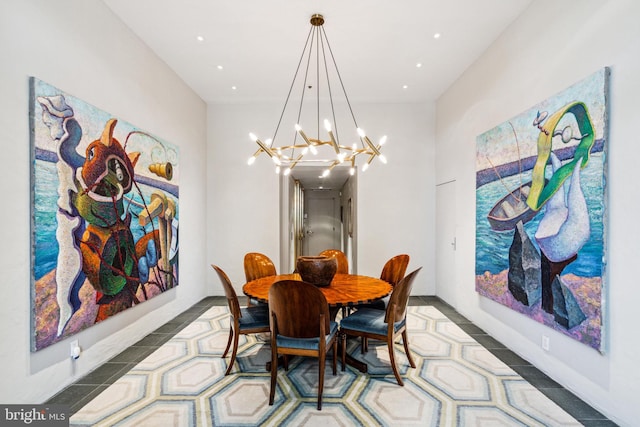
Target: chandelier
[{"x": 330, "y": 151}]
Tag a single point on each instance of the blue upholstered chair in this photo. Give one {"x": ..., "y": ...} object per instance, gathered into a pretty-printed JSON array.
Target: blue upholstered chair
[
  {"x": 245, "y": 320},
  {"x": 384, "y": 325},
  {"x": 300, "y": 325}
]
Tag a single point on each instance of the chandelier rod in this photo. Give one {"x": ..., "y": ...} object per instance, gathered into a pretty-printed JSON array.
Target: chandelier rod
[
  {"x": 304, "y": 83},
  {"x": 326, "y": 73},
  {"x": 340, "y": 78},
  {"x": 291, "y": 87}
]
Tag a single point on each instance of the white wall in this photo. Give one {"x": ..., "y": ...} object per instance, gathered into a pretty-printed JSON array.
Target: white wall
[
  {"x": 551, "y": 46},
  {"x": 395, "y": 201},
  {"x": 81, "y": 48}
]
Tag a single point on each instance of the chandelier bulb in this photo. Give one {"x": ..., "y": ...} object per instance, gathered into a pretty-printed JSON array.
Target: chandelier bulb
[
  {"x": 287, "y": 171},
  {"x": 383, "y": 140},
  {"x": 326, "y": 173},
  {"x": 382, "y": 158},
  {"x": 327, "y": 125},
  {"x": 361, "y": 133},
  {"x": 365, "y": 167},
  {"x": 251, "y": 160},
  {"x": 352, "y": 171},
  {"x": 253, "y": 137},
  {"x": 268, "y": 142},
  {"x": 313, "y": 150},
  {"x": 276, "y": 160},
  {"x": 277, "y": 170}
]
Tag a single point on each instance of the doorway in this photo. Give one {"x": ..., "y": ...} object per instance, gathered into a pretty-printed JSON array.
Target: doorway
[
  {"x": 321, "y": 222},
  {"x": 317, "y": 213},
  {"x": 446, "y": 271}
]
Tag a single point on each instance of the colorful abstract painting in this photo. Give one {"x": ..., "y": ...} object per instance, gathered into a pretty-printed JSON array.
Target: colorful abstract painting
[
  {"x": 540, "y": 211},
  {"x": 104, "y": 215}
]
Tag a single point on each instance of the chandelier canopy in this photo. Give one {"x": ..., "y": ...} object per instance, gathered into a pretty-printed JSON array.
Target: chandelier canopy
[{"x": 330, "y": 151}]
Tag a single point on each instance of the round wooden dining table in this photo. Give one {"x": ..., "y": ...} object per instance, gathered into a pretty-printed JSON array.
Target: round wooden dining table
[{"x": 345, "y": 290}]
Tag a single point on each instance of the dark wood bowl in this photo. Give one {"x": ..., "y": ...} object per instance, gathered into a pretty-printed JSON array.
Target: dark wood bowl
[{"x": 318, "y": 270}]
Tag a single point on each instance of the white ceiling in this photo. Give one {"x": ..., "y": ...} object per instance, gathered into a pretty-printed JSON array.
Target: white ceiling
[{"x": 377, "y": 44}]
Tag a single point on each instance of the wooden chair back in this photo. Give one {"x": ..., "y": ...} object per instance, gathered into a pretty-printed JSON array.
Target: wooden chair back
[
  {"x": 232, "y": 297},
  {"x": 299, "y": 307},
  {"x": 397, "y": 308},
  {"x": 341, "y": 259},
  {"x": 257, "y": 265},
  {"x": 394, "y": 269}
]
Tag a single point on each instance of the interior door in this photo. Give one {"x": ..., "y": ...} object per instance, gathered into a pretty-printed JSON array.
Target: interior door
[
  {"x": 446, "y": 242},
  {"x": 322, "y": 229}
]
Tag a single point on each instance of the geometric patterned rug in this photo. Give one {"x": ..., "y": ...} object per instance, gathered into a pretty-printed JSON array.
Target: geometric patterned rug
[{"x": 456, "y": 382}]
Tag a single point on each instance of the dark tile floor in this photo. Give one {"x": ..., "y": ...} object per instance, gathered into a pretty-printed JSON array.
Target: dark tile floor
[{"x": 85, "y": 389}]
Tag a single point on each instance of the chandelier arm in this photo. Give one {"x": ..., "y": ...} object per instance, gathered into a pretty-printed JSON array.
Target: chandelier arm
[{"x": 291, "y": 87}]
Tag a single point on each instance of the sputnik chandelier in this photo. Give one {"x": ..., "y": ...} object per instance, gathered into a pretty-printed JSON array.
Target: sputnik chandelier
[{"x": 286, "y": 157}]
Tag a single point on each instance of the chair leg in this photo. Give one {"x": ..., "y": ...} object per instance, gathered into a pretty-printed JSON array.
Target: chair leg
[
  {"x": 405, "y": 340},
  {"x": 228, "y": 342},
  {"x": 343, "y": 338},
  {"x": 233, "y": 354},
  {"x": 392, "y": 359},
  {"x": 321, "y": 362},
  {"x": 335, "y": 354},
  {"x": 274, "y": 374}
]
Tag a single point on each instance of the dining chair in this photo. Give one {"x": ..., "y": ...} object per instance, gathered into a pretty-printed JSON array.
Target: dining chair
[
  {"x": 300, "y": 325},
  {"x": 343, "y": 267},
  {"x": 245, "y": 320},
  {"x": 384, "y": 325},
  {"x": 341, "y": 259},
  {"x": 392, "y": 272},
  {"x": 394, "y": 269},
  {"x": 257, "y": 265}
]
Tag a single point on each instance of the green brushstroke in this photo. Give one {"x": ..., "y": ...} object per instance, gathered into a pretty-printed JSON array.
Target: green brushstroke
[{"x": 541, "y": 193}]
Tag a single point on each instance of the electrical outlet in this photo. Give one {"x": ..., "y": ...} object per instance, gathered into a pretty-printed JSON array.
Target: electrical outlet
[{"x": 545, "y": 343}]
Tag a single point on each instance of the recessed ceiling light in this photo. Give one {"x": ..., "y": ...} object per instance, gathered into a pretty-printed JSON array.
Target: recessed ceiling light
[
  {"x": 200, "y": 38},
  {"x": 220, "y": 67},
  {"x": 405, "y": 86},
  {"x": 436, "y": 36},
  {"x": 418, "y": 65},
  {"x": 233, "y": 87}
]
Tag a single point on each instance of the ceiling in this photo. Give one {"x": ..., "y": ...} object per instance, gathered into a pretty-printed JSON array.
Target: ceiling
[{"x": 249, "y": 49}]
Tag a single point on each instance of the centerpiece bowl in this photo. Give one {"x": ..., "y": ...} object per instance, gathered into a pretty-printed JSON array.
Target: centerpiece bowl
[{"x": 318, "y": 270}]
